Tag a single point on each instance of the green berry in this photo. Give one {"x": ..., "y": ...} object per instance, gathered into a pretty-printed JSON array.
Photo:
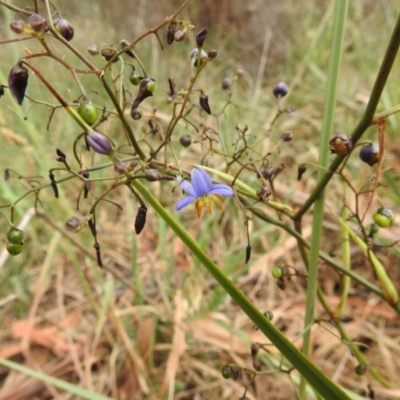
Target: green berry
[
  {"x": 135, "y": 78},
  {"x": 384, "y": 217},
  {"x": 151, "y": 85},
  {"x": 15, "y": 236},
  {"x": 136, "y": 113},
  {"x": 88, "y": 112},
  {"x": 14, "y": 249},
  {"x": 226, "y": 371},
  {"x": 277, "y": 272}
]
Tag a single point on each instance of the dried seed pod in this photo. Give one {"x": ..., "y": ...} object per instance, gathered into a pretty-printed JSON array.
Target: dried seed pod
[
  {"x": 179, "y": 36},
  {"x": 17, "y": 82},
  {"x": 37, "y": 22},
  {"x": 264, "y": 193},
  {"x": 266, "y": 173},
  {"x": 93, "y": 49},
  {"x": 72, "y": 224},
  {"x": 18, "y": 26},
  {"x": 53, "y": 185},
  {"x": 154, "y": 175},
  {"x": 204, "y": 103},
  {"x": 98, "y": 142},
  {"x": 171, "y": 32},
  {"x": 64, "y": 28},
  {"x": 200, "y": 37},
  {"x": 300, "y": 171},
  {"x": 109, "y": 53},
  {"x": 370, "y": 154},
  {"x": 226, "y": 83},
  {"x": 280, "y": 90},
  {"x": 287, "y": 136},
  {"x": 140, "y": 220},
  {"x": 212, "y": 54},
  {"x": 340, "y": 144},
  {"x": 248, "y": 254}
]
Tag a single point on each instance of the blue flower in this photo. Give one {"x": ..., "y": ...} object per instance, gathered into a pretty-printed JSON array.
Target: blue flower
[{"x": 202, "y": 190}]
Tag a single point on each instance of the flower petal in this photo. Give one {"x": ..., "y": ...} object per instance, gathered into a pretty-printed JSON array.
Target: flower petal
[
  {"x": 220, "y": 188},
  {"x": 184, "y": 202},
  {"x": 187, "y": 187},
  {"x": 201, "y": 181}
]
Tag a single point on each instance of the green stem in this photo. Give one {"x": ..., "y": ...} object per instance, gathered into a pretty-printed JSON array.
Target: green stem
[
  {"x": 318, "y": 217},
  {"x": 310, "y": 372}
]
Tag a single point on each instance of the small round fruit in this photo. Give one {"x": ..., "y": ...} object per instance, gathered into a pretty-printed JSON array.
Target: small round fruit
[
  {"x": 340, "y": 144},
  {"x": 277, "y": 272},
  {"x": 384, "y": 217},
  {"x": 370, "y": 154},
  {"x": 226, "y": 371},
  {"x": 14, "y": 249},
  {"x": 280, "y": 90},
  {"x": 15, "y": 236},
  {"x": 135, "y": 78},
  {"x": 136, "y": 113},
  {"x": 88, "y": 112},
  {"x": 185, "y": 140}
]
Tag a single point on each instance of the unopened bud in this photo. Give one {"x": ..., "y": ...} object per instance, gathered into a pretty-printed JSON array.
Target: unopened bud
[
  {"x": 179, "y": 36},
  {"x": 204, "y": 103},
  {"x": 212, "y": 54},
  {"x": 93, "y": 49},
  {"x": 287, "y": 136},
  {"x": 18, "y": 26},
  {"x": 280, "y": 90},
  {"x": 98, "y": 142},
  {"x": 171, "y": 32},
  {"x": 64, "y": 28},
  {"x": 226, "y": 83},
  {"x": 200, "y": 37},
  {"x": 17, "y": 82},
  {"x": 109, "y": 53},
  {"x": 37, "y": 22}
]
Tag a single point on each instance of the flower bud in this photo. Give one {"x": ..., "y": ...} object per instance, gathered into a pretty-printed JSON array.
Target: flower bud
[
  {"x": 18, "y": 26},
  {"x": 200, "y": 37},
  {"x": 98, "y": 142},
  {"x": 93, "y": 49},
  {"x": 179, "y": 36},
  {"x": 171, "y": 32},
  {"x": 185, "y": 140},
  {"x": 239, "y": 72},
  {"x": 340, "y": 144},
  {"x": 204, "y": 103},
  {"x": 370, "y": 154},
  {"x": 154, "y": 175},
  {"x": 37, "y": 22},
  {"x": 264, "y": 193},
  {"x": 266, "y": 173},
  {"x": 120, "y": 167},
  {"x": 109, "y": 53},
  {"x": 17, "y": 82},
  {"x": 64, "y": 28},
  {"x": 384, "y": 217},
  {"x": 193, "y": 56},
  {"x": 136, "y": 113},
  {"x": 287, "y": 136},
  {"x": 226, "y": 83},
  {"x": 280, "y": 90}
]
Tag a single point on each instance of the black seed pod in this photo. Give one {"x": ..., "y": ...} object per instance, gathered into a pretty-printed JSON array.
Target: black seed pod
[
  {"x": 1, "y": 90},
  {"x": 136, "y": 113},
  {"x": 300, "y": 171},
  {"x": 287, "y": 136},
  {"x": 140, "y": 220},
  {"x": 185, "y": 140},
  {"x": 6, "y": 174},
  {"x": 37, "y": 22},
  {"x": 204, "y": 103},
  {"x": 280, "y": 90},
  {"x": 200, "y": 37},
  {"x": 171, "y": 32},
  {"x": 370, "y": 154},
  {"x": 17, "y": 82},
  {"x": 123, "y": 44},
  {"x": 254, "y": 349},
  {"x": 248, "y": 254},
  {"x": 72, "y": 224},
  {"x": 154, "y": 175},
  {"x": 267, "y": 173},
  {"x": 53, "y": 185},
  {"x": 340, "y": 144},
  {"x": 212, "y": 54},
  {"x": 64, "y": 28}
]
